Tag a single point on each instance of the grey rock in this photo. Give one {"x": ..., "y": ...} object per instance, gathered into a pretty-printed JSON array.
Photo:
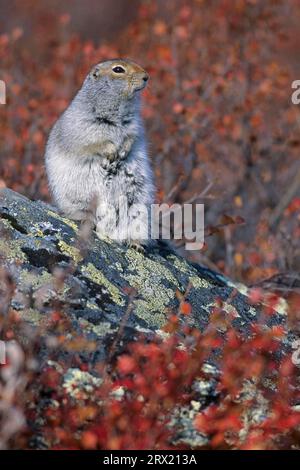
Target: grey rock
[{"x": 104, "y": 285}]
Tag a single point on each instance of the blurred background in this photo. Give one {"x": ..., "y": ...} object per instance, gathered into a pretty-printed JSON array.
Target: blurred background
[{"x": 222, "y": 128}]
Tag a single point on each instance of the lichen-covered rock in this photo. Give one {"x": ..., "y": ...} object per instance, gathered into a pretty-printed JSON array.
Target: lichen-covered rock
[
  {"x": 96, "y": 288},
  {"x": 100, "y": 286},
  {"x": 37, "y": 245}
]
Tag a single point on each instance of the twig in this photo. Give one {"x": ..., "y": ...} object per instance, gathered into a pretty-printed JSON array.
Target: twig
[
  {"x": 122, "y": 325},
  {"x": 285, "y": 200}
]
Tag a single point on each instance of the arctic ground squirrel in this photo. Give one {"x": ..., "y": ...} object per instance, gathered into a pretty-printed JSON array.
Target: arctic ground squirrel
[{"x": 96, "y": 155}]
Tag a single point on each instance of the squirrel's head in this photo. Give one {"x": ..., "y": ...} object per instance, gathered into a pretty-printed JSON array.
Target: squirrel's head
[{"x": 118, "y": 76}]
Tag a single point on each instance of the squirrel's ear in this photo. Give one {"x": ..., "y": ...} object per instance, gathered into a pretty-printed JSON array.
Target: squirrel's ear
[{"x": 95, "y": 73}]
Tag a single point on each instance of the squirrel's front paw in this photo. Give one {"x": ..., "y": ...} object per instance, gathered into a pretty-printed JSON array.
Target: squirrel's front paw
[
  {"x": 109, "y": 150},
  {"x": 136, "y": 245},
  {"x": 126, "y": 147}
]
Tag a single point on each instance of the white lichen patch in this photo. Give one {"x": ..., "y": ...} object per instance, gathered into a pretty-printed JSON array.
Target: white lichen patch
[
  {"x": 210, "y": 369},
  {"x": 252, "y": 311},
  {"x": 38, "y": 229},
  {"x": 101, "y": 330},
  {"x": 31, "y": 315},
  {"x": 199, "y": 282},
  {"x": 28, "y": 279},
  {"x": 228, "y": 308},
  {"x": 281, "y": 306},
  {"x": 55, "y": 365},
  {"x": 92, "y": 305},
  {"x": 66, "y": 221},
  {"x": 80, "y": 384},
  {"x": 7, "y": 224},
  {"x": 180, "y": 264},
  {"x": 183, "y": 421},
  {"x": 119, "y": 266},
  {"x": 203, "y": 387},
  {"x": 118, "y": 393},
  {"x": 257, "y": 412},
  {"x": 11, "y": 251},
  {"x": 241, "y": 288},
  {"x": 164, "y": 335}
]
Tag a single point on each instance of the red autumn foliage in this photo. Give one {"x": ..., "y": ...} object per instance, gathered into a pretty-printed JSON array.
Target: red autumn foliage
[
  {"x": 137, "y": 405},
  {"x": 223, "y": 131}
]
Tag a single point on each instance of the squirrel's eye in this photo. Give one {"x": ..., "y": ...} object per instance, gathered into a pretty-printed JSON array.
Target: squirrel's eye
[{"x": 118, "y": 69}]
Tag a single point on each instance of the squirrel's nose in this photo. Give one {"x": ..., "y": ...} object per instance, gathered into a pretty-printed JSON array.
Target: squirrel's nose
[{"x": 145, "y": 77}]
